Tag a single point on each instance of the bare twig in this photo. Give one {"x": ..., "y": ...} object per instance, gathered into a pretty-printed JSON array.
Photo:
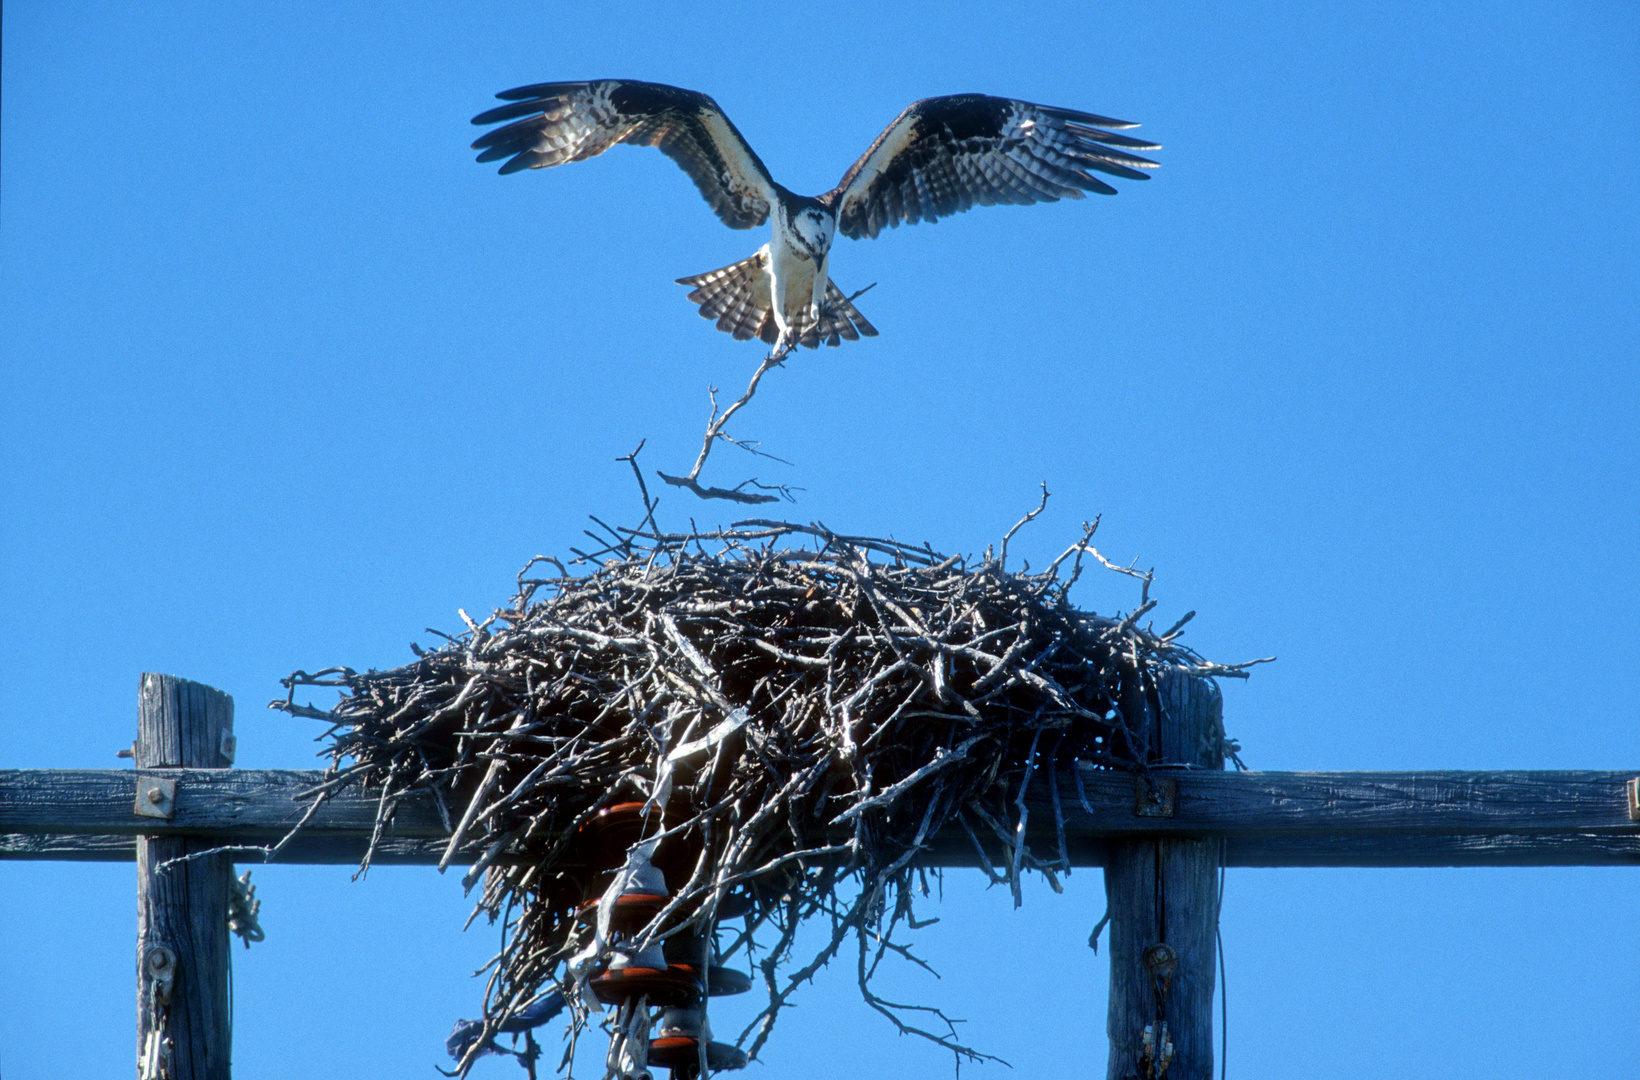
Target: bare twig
[
  {"x": 734, "y": 494},
  {"x": 643, "y": 489},
  {"x": 714, "y": 431},
  {"x": 1002, "y": 554}
]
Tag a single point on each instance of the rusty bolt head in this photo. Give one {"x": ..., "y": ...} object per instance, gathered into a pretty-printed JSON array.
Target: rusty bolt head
[{"x": 1161, "y": 960}]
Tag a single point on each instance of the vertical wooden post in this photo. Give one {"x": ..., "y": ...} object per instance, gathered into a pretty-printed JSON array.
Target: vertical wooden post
[
  {"x": 1163, "y": 901},
  {"x": 184, "y": 1025}
]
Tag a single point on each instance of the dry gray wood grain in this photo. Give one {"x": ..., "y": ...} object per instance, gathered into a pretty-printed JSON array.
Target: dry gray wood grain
[
  {"x": 1162, "y": 896},
  {"x": 1383, "y": 850},
  {"x": 182, "y": 906},
  {"x": 1533, "y": 818},
  {"x": 235, "y": 805}
]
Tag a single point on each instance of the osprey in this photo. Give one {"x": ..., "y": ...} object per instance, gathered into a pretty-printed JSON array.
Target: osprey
[{"x": 939, "y": 157}]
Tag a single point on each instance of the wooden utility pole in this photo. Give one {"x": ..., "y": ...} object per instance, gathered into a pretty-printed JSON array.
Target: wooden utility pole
[
  {"x": 1162, "y": 897},
  {"x": 184, "y": 1023}
]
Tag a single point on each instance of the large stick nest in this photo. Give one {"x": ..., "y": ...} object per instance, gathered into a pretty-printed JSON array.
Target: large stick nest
[{"x": 809, "y": 718}]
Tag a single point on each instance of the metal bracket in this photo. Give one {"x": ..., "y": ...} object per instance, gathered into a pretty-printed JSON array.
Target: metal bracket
[
  {"x": 1634, "y": 798},
  {"x": 1154, "y": 797},
  {"x": 156, "y": 797}
]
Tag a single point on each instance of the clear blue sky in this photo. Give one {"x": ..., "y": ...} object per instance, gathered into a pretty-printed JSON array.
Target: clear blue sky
[{"x": 287, "y": 378}]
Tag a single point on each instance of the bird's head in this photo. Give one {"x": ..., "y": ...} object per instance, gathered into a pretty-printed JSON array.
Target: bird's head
[{"x": 815, "y": 226}]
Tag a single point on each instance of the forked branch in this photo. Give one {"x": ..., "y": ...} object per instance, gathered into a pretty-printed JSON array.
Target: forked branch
[{"x": 714, "y": 431}]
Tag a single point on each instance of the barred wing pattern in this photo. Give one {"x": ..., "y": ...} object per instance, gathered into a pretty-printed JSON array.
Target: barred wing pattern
[
  {"x": 944, "y": 155},
  {"x": 554, "y": 123},
  {"x": 740, "y": 298}
]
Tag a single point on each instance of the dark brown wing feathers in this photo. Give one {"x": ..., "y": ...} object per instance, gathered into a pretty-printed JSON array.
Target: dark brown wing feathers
[
  {"x": 945, "y": 155},
  {"x": 554, "y": 123}
]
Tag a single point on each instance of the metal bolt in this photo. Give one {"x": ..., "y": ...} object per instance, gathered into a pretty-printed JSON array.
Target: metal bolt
[
  {"x": 156, "y": 797},
  {"x": 1161, "y": 960}
]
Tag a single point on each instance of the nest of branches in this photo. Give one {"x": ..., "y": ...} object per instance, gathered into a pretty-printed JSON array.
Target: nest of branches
[{"x": 800, "y": 713}]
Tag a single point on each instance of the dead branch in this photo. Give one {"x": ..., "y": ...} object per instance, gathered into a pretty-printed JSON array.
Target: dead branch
[{"x": 714, "y": 431}]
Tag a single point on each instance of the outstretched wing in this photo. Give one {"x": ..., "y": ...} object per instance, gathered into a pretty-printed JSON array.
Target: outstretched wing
[
  {"x": 557, "y": 122},
  {"x": 946, "y": 154}
]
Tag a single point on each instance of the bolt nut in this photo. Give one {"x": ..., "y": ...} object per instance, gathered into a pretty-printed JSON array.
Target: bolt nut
[{"x": 1161, "y": 960}]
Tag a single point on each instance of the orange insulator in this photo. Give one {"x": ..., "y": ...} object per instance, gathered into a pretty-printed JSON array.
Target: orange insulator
[
  {"x": 647, "y": 974},
  {"x": 636, "y": 892},
  {"x": 719, "y": 981},
  {"x": 628, "y": 912},
  {"x": 676, "y": 978},
  {"x": 671, "y": 985},
  {"x": 680, "y": 1037},
  {"x": 722, "y": 981}
]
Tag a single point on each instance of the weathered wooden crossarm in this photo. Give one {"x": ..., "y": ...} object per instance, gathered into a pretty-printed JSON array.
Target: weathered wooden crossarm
[
  {"x": 87, "y": 814},
  {"x": 1265, "y": 818},
  {"x": 1367, "y": 803}
]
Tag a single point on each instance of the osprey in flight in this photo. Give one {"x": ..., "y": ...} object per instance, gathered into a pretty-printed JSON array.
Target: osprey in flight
[{"x": 939, "y": 157}]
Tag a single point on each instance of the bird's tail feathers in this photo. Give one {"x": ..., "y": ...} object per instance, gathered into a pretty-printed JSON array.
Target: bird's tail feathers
[
  {"x": 739, "y": 297},
  {"x": 840, "y": 318}
]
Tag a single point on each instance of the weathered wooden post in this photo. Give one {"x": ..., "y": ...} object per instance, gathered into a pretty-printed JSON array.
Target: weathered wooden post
[
  {"x": 1162, "y": 897},
  {"x": 184, "y": 1026}
]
